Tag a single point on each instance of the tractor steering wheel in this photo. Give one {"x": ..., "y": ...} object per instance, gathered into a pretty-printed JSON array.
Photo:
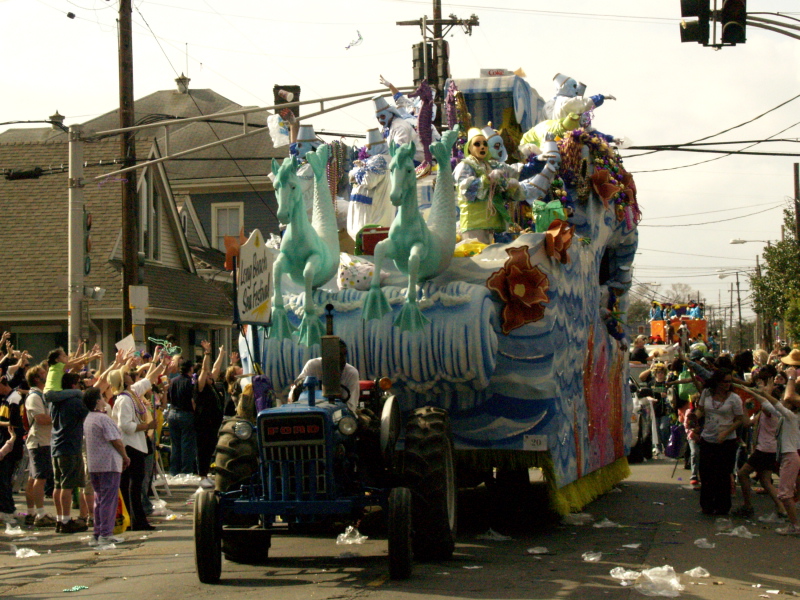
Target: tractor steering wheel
[{"x": 345, "y": 393}]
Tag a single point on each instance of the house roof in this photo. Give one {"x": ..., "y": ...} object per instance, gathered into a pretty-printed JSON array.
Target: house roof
[
  {"x": 254, "y": 151},
  {"x": 164, "y": 103},
  {"x": 35, "y": 238}
]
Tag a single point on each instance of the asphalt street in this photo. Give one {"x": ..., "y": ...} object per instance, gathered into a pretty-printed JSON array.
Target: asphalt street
[{"x": 655, "y": 512}]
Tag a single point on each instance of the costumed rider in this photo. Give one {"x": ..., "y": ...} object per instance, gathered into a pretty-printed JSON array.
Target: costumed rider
[
  {"x": 302, "y": 141},
  {"x": 349, "y": 378},
  {"x": 656, "y": 314},
  {"x": 569, "y": 98},
  {"x": 482, "y": 191},
  {"x": 609, "y": 312},
  {"x": 369, "y": 198},
  {"x": 397, "y": 129},
  {"x": 409, "y": 108},
  {"x": 504, "y": 177}
]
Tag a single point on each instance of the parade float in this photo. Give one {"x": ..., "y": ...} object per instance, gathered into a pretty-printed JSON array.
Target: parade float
[{"x": 522, "y": 343}]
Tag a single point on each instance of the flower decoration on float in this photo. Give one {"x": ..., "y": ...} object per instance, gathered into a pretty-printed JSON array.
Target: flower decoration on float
[
  {"x": 522, "y": 287},
  {"x": 558, "y": 239},
  {"x": 604, "y": 186},
  {"x": 615, "y": 187}
]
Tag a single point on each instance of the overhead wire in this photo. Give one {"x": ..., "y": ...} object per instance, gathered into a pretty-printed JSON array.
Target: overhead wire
[
  {"x": 710, "y": 222},
  {"x": 211, "y": 128}
]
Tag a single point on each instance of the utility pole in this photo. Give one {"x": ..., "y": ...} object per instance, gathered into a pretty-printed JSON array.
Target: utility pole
[
  {"x": 730, "y": 321},
  {"x": 130, "y": 212},
  {"x": 435, "y": 29},
  {"x": 75, "y": 239},
  {"x": 739, "y": 306}
]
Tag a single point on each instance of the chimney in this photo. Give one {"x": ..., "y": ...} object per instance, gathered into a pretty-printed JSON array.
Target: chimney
[
  {"x": 183, "y": 84},
  {"x": 57, "y": 121}
]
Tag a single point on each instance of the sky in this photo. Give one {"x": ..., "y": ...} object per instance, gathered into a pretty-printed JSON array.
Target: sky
[{"x": 667, "y": 92}]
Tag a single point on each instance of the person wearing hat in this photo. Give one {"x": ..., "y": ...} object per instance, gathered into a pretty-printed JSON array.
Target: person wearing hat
[
  {"x": 482, "y": 212},
  {"x": 569, "y": 98},
  {"x": 369, "y": 198},
  {"x": 409, "y": 107},
  {"x": 303, "y": 140},
  {"x": 397, "y": 129}
]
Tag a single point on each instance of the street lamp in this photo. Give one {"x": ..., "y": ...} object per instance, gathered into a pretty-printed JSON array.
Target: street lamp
[{"x": 741, "y": 241}]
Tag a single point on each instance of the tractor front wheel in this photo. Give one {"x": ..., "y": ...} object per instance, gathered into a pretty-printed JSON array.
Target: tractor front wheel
[{"x": 207, "y": 537}]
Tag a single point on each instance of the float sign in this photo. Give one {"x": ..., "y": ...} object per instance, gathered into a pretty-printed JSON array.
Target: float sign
[{"x": 254, "y": 280}]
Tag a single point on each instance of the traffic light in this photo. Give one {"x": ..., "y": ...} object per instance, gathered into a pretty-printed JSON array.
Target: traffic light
[
  {"x": 695, "y": 30},
  {"x": 87, "y": 242},
  {"x": 733, "y": 17}
]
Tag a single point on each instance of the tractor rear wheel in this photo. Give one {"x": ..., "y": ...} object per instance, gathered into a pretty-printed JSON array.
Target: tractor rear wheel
[
  {"x": 429, "y": 473},
  {"x": 400, "y": 520}
]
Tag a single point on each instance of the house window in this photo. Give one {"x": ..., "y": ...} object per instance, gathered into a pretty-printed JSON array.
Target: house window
[
  {"x": 149, "y": 216},
  {"x": 226, "y": 219}
]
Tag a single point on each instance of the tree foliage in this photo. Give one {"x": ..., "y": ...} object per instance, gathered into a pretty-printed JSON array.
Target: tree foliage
[{"x": 778, "y": 282}]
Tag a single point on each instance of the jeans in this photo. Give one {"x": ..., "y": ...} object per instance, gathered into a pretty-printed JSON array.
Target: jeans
[
  {"x": 149, "y": 469},
  {"x": 7, "y": 468},
  {"x": 183, "y": 442},
  {"x": 694, "y": 448}
]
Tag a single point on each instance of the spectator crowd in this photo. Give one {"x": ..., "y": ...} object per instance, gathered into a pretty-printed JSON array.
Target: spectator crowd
[
  {"x": 734, "y": 420},
  {"x": 92, "y": 433}
]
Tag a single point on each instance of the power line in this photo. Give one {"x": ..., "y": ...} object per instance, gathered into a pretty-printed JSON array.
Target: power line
[
  {"x": 707, "y": 212},
  {"x": 238, "y": 166},
  {"x": 715, "y": 135},
  {"x": 692, "y": 254},
  {"x": 710, "y": 222}
]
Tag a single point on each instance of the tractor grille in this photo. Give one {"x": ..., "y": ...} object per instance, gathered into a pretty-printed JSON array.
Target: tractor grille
[{"x": 294, "y": 457}]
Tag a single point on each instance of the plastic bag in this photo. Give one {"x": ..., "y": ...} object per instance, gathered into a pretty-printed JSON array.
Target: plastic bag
[
  {"x": 723, "y": 524},
  {"x": 350, "y": 536},
  {"x": 278, "y": 131},
  {"x": 123, "y": 520},
  {"x": 677, "y": 438},
  {"x": 625, "y": 576},
  {"x": 704, "y": 543},
  {"x": 659, "y": 581},
  {"x": 592, "y": 556},
  {"x": 493, "y": 536},
  {"x": 577, "y": 519},
  {"x": 606, "y": 523},
  {"x": 697, "y": 572},
  {"x": 26, "y": 553},
  {"x": 740, "y": 531}
]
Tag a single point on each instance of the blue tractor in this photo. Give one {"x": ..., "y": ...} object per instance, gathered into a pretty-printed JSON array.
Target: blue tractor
[{"x": 315, "y": 460}]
